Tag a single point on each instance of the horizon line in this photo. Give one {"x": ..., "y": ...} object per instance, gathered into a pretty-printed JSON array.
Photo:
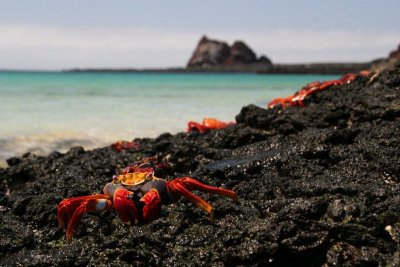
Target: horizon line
[{"x": 139, "y": 69}]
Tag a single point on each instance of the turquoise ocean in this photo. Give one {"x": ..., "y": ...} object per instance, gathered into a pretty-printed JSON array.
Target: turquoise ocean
[{"x": 45, "y": 111}]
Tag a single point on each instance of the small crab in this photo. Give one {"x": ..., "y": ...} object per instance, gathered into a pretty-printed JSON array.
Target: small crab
[
  {"x": 124, "y": 145},
  {"x": 207, "y": 124},
  {"x": 136, "y": 195},
  {"x": 297, "y": 98}
]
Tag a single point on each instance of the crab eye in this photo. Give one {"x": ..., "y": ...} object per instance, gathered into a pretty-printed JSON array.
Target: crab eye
[{"x": 149, "y": 176}]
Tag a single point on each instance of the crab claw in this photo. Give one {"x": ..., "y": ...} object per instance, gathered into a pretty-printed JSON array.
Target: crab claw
[
  {"x": 71, "y": 210},
  {"x": 125, "y": 206},
  {"x": 152, "y": 205}
]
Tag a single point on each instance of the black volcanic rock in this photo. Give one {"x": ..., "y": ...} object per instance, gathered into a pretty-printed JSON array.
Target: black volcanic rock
[
  {"x": 216, "y": 53},
  {"x": 318, "y": 186}
]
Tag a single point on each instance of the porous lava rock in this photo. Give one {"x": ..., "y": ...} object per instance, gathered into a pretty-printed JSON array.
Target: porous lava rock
[
  {"x": 317, "y": 186},
  {"x": 217, "y": 53}
]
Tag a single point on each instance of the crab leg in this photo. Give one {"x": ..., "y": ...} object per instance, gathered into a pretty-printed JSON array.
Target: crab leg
[
  {"x": 194, "y": 126},
  {"x": 207, "y": 124},
  {"x": 211, "y": 123},
  {"x": 68, "y": 206},
  {"x": 283, "y": 101},
  {"x": 186, "y": 184},
  {"x": 192, "y": 184},
  {"x": 70, "y": 211}
]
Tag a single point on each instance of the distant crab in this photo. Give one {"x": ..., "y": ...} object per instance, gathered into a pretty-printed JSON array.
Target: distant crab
[
  {"x": 297, "y": 98},
  {"x": 124, "y": 145},
  {"x": 206, "y": 125},
  {"x": 136, "y": 195}
]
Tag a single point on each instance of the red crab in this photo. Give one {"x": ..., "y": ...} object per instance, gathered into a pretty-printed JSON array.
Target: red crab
[
  {"x": 297, "y": 98},
  {"x": 122, "y": 145},
  {"x": 207, "y": 124},
  {"x": 136, "y": 195}
]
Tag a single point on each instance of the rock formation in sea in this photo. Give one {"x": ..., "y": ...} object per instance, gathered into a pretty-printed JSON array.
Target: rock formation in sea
[
  {"x": 217, "y": 53},
  {"x": 317, "y": 186},
  {"x": 395, "y": 53},
  {"x": 392, "y": 60}
]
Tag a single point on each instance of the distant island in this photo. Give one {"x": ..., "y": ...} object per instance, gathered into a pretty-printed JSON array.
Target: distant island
[
  {"x": 212, "y": 53},
  {"x": 213, "y": 56}
]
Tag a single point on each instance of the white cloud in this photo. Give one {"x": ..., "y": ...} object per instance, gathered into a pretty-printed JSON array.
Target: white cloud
[
  {"x": 51, "y": 47},
  {"x": 287, "y": 45}
]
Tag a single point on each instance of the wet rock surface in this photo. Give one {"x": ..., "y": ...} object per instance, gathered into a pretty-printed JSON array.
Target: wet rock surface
[{"x": 318, "y": 186}]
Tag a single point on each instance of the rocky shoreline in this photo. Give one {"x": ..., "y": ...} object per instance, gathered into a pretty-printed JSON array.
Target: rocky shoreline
[
  {"x": 257, "y": 68},
  {"x": 214, "y": 56},
  {"x": 318, "y": 186}
]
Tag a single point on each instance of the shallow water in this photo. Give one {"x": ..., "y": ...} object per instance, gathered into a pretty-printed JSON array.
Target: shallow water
[{"x": 41, "y": 112}]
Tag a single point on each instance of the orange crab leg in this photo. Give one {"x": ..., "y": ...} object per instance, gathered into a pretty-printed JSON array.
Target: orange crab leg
[
  {"x": 195, "y": 199},
  {"x": 194, "y": 126},
  {"x": 348, "y": 78},
  {"x": 328, "y": 84},
  {"x": 283, "y": 101},
  {"x": 211, "y": 123},
  {"x": 276, "y": 101},
  {"x": 298, "y": 99},
  {"x": 207, "y": 124},
  {"x": 185, "y": 184},
  {"x": 192, "y": 184}
]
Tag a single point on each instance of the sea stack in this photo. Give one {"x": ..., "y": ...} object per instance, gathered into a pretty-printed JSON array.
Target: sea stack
[
  {"x": 392, "y": 61},
  {"x": 395, "y": 54},
  {"x": 218, "y": 53}
]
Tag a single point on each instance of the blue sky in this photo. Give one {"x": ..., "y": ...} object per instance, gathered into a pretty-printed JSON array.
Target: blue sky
[{"x": 59, "y": 34}]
